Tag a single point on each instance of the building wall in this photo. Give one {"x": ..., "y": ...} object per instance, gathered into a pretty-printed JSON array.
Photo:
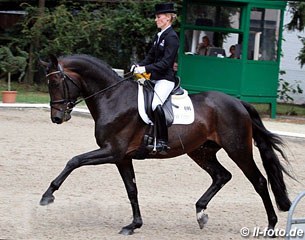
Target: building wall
[{"x": 291, "y": 47}]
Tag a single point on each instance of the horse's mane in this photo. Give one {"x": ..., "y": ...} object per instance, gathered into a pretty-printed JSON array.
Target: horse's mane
[{"x": 83, "y": 63}]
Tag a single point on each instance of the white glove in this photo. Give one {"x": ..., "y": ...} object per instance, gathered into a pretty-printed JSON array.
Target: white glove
[
  {"x": 139, "y": 70},
  {"x": 141, "y": 80},
  {"x": 132, "y": 68}
]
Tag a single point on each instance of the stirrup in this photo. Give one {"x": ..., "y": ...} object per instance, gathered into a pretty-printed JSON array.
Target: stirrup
[{"x": 161, "y": 147}]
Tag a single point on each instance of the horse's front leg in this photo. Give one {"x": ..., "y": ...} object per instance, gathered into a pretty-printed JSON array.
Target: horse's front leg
[
  {"x": 99, "y": 156},
  {"x": 126, "y": 170}
]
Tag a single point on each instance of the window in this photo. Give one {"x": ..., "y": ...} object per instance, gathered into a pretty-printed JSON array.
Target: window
[
  {"x": 212, "y": 30},
  {"x": 209, "y": 43},
  {"x": 264, "y": 33},
  {"x": 213, "y": 16}
]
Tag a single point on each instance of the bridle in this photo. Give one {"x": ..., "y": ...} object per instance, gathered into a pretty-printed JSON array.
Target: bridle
[{"x": 71, "y": 103}]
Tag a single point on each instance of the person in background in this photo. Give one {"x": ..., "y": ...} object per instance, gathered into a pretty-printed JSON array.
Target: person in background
[
  {"x": 203, "y": 47},
  {"x": 232, "y": 52},
  {"x": 159, "y": 62}
]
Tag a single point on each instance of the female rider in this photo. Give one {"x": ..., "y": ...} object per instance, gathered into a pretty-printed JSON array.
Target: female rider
[{"x": 159, "y": 62}]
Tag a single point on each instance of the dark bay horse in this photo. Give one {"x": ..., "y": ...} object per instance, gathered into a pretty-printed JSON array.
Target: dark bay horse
[{"x": 221, "y": 121}]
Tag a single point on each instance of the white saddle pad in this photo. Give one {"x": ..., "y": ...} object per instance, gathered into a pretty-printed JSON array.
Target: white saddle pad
[{"x": 182, "y": 107}]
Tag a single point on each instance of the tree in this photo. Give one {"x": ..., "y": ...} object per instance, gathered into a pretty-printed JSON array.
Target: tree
[
  {"x": 297, "y": 23},
  {"x": 34, "y": 45},
  {"x": 297, "y": 9}
]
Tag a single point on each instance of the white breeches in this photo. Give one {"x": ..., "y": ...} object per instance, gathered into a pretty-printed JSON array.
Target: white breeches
[{"x": 162, "y": 90}]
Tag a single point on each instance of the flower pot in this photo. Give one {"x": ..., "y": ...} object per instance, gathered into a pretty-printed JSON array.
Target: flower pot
[{"x": 9, "y": 96}]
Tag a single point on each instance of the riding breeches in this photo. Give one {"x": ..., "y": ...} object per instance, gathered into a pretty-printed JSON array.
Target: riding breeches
[{"x": 162, "y": 90}]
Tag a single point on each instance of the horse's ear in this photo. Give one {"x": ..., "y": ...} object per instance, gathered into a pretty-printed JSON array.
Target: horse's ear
[
  {"x": 43, "y": 63},
  {"x": 54, "y": 60}
]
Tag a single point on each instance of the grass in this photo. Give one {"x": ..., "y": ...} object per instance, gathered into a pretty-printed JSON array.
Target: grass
[
  {"x": 283, "y": 109},
  {"x": 28, "y": 93},
  {"x": 39, "y": 94},
  {"x": 32, "y": 97}
]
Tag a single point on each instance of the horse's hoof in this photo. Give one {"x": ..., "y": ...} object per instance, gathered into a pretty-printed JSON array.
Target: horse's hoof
[
  {"x": 46, "y": 200},
  {"x": 202, "y": 219},
  {"x": 126, "y": 231},
  {"x": 271, "y": 233}
]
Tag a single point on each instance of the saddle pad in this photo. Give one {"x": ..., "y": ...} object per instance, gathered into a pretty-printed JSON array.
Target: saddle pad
[{"x": 182, "y": 107}]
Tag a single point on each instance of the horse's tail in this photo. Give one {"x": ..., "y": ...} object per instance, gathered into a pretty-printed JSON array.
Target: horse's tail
[{"x": 267, "y": 142}]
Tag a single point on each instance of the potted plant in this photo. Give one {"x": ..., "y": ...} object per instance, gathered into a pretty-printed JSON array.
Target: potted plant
[
  {"x": 9, "y": 96},
  {"x": 11, "y": 64}
]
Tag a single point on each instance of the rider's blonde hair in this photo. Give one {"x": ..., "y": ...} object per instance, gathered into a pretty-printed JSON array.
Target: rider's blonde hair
[{"x": 173, "y": 16}]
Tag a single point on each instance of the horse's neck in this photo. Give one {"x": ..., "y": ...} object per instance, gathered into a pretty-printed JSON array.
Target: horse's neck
[
  {"x": 96, "y": 83},
  {"x": 94, "y": 77},
  {"x": 117, "y": 97}
]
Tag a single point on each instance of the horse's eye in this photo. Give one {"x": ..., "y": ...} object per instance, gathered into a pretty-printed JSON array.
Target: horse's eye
[{"x": 53, "y": 84}]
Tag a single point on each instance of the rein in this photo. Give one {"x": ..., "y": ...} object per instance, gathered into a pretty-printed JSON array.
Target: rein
[{"x": 126, "y": 77}]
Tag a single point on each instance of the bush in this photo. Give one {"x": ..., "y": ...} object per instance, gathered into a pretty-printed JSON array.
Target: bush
[{"x": 285, "y": 89}]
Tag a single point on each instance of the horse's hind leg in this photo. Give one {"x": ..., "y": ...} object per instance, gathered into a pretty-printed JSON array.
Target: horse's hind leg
[
  {"x": 205, "y": 157},
  {"x": 244, "y": 160},
  {"x": 127, "y": 173}
]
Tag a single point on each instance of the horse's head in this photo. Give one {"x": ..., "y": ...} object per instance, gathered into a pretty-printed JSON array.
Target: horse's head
[{"x": 63, "y": 90}]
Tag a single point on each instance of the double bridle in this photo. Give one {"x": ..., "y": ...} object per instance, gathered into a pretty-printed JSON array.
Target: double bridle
[{"x": 71, "y": 103}]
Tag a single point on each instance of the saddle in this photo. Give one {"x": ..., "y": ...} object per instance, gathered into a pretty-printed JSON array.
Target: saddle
[
  {"x": 148, "y": 92},
  {"x": 178, "y": 109}
]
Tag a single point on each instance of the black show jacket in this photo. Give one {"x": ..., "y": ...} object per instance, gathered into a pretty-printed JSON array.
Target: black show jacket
[{"x": 162, "y": 55}]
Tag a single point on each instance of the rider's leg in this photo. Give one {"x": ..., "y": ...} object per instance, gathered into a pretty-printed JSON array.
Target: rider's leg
[
  {"x": 162, "y": 90},
  {"x": 161, "y": 130}
]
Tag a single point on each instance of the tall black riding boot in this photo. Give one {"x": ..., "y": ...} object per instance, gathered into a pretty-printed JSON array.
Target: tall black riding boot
[{"x": 161, "y": 130}]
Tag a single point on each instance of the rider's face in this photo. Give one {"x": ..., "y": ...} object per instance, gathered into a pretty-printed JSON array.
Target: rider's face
[{"x": 162, "y": 20}]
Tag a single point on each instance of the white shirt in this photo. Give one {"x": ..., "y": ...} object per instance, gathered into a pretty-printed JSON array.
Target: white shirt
[{"x": 162, "y": 31}]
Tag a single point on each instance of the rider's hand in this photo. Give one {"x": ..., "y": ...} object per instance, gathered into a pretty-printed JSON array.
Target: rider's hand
[
  {"x": 141, "y": 80},
  {"x": 132, "y": 68},
  {"x": 139, "y": 69}
]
